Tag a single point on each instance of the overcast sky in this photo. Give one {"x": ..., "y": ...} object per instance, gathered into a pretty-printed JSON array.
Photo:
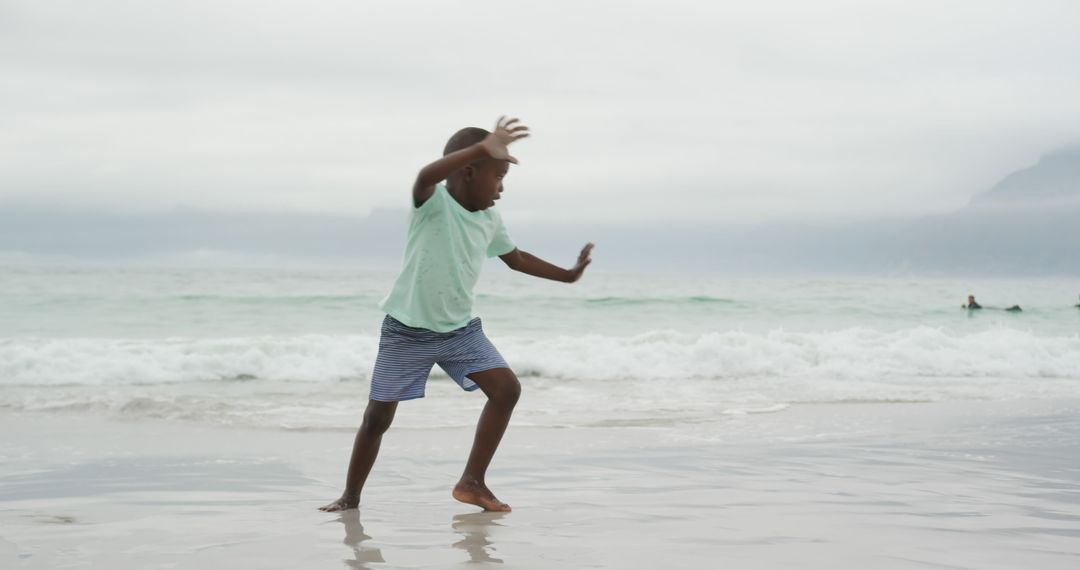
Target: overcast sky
[{"x": 733, "y": 111}]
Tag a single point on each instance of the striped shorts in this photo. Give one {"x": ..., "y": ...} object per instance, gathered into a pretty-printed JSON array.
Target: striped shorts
[{"x": 406, "y": 355}]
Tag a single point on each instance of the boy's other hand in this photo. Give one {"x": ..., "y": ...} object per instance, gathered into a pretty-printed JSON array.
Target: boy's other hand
[
  {"x": 583, "y": 261},
  {"x": 506, "y": 132}
]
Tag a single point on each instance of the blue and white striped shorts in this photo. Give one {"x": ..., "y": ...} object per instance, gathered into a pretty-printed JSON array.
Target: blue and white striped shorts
[{"x": 406, "y": 355}]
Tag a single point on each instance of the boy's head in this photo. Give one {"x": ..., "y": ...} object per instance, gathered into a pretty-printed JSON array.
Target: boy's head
[
  {"x": 971, "y": 299},
  {"x": 478, "y": 185}
]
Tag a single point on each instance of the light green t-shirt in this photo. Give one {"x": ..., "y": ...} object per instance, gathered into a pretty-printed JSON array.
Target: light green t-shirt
[{"x": 446, "y": 247}]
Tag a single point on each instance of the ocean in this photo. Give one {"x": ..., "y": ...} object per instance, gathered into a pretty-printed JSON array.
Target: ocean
[
  {"x": 293, "y": 349},
  {"x": 159, "y": 418}
]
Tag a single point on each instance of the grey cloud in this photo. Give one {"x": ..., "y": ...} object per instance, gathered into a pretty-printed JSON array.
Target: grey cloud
[{"x": 759, "y": 111}]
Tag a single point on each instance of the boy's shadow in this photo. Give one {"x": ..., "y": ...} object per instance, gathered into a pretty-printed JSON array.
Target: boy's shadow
[
  {"x": 474, "y": 529},
  {"x": 355, "y": 537}
]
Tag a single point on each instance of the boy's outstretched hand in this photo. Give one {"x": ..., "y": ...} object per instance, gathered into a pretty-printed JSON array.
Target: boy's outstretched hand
[
  {"x": 506, "y": 132},
  {"x": 583, "y": 261}
]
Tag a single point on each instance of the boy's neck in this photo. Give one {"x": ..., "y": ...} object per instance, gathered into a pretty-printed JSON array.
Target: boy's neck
[{"x": 458, "y": 194}]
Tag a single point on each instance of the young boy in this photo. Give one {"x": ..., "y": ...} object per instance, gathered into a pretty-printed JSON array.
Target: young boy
[{"x": 429, "y": 310}]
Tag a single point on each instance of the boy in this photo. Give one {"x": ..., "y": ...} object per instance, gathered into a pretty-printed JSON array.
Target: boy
[{"x": 429, "y": 310}]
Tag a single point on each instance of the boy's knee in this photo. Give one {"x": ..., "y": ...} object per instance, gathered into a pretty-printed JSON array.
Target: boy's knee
[
  {"x": 508, "y": 392},
  {"x": 378, "y": 417},
  {"x": 499, "y": 385}
]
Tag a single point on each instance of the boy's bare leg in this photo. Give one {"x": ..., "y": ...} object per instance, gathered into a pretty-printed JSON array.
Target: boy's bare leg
[
  {"x": 377, "y": 419},
  {"x": 502, "y": 389}
]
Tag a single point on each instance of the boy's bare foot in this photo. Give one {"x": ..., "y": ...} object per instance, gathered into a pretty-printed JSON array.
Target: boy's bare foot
[
  {"x": 342, "y": 504},
  {"x": 478, "y": 494}
]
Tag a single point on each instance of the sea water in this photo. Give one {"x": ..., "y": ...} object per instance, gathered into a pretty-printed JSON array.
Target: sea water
[{"x": 294, "y": 349}]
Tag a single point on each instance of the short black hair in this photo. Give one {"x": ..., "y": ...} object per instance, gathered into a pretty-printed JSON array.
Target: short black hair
[{"x": 464, "y": 138}]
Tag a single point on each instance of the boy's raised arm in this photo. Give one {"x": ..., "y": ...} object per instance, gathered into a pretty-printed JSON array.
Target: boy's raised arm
[{"x": 493, "y": 146}]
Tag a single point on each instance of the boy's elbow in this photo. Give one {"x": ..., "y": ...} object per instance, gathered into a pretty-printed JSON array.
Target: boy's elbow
[
  {"x": 421, "y": 179},
  {"x": 513, "y": 260}
]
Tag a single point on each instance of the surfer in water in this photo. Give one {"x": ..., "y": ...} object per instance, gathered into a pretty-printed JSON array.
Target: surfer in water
[{"x": 972, "y": 305}]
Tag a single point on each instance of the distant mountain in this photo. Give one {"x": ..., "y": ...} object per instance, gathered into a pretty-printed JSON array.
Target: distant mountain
[
  {"x": 1027, "y": 224},
  {"x": 1056, "y": 176}
]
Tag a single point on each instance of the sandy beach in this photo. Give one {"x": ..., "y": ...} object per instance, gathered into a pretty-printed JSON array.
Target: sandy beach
[{"x": 931, "y": 485}]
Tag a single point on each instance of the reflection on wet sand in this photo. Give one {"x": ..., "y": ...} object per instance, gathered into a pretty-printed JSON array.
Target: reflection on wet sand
[
  {"x": 355, "y": 538},
  {"x": 473, "y": 527}
]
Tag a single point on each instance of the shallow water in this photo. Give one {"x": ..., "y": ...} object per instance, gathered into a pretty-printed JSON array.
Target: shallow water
[
  {"x": 978, "y": 485},
  {"x": 294, "y": 349},
  {"x": 197, "y": 418}
]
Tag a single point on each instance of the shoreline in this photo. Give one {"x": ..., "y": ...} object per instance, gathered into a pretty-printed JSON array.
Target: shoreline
[{"x": 966, "y": 484}]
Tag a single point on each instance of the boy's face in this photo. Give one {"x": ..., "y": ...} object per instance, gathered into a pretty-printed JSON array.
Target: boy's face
[{"x": 484, "y": 184}]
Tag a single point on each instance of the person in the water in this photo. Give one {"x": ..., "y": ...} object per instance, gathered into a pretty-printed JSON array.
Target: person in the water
[{"x": 972, "y": 305}]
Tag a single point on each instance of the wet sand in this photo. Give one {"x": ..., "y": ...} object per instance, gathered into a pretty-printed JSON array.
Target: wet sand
[{"x": 936, "y": 485}]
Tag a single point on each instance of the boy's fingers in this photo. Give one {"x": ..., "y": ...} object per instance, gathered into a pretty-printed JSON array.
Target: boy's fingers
[
  {"x": 511, "y": 159},
  {"x": 507, "y": 124}
]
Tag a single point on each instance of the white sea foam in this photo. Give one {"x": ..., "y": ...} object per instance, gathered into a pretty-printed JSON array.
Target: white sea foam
[
  {"x": 296, "y": 349},
  {"x": 655, "y": 379},
  {"x": 57, "y": 361},
  {"x": 854, "y": 355}
]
